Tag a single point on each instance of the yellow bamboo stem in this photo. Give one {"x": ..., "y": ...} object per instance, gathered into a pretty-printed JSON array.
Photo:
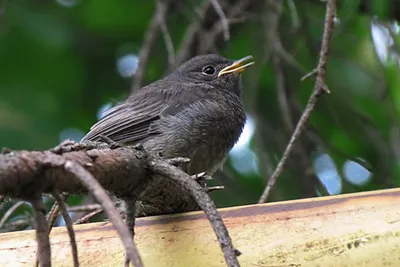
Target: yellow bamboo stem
[{"x": 360, "y": 229}]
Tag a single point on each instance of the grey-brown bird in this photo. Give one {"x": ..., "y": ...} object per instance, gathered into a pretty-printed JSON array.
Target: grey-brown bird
[{"x": 194, "y": 112}]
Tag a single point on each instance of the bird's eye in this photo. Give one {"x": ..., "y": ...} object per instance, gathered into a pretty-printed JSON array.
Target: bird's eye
[{"x": 209, "y": 70}]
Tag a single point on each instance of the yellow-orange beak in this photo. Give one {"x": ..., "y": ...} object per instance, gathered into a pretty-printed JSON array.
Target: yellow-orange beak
[{"x": 237, "y": 66}]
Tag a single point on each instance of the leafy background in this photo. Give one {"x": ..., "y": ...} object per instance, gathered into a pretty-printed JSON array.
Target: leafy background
[{"x": 63, "y": 62}]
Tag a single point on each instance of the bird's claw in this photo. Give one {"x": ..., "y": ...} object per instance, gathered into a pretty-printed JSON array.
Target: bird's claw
[
  {"x": 201, "y": 178},
  {"x": 214, "y": 188},
  {"x": 109, "y": 141}
]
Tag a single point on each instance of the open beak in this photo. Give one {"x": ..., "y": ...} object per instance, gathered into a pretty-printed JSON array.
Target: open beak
[{"x": 238, "y": 66}]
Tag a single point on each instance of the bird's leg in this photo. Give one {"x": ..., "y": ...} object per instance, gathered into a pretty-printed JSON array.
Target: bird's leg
[{"x": 109, "y": 141}]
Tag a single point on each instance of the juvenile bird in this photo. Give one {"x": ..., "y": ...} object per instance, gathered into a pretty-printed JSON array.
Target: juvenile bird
[{"x": 194, "y": 112}]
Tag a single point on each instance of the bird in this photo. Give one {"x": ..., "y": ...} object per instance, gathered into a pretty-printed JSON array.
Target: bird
[{"x": 194, "y": 112}]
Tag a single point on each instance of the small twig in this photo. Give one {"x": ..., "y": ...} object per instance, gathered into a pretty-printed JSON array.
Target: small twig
[
  {"x": 10, "y": 211},
  {"x": 210, "y": 38},
  {"x": 87, "y": 217},
  {"x": 149, "y": 40},
  {"x": 68, "y": 223},
  {"x": 222, "y": 16},
  {"x": 16, "y": 225},
  {"x": 84, "y": 208},
  {"x": 52, "y": 215},
  {"x": 282, "y": 94},
  {"x": 167, "y": 37},
  {"x": 42, "y": 233},
  {"x": 288, "y": 58},
  {"x": 189, "y": 38},
  {"x": 319, "y": 88},
  {"x": 206, "y": 204},
  {"x": 104, "y": 200},
  {"x": 308, "y": 75}
]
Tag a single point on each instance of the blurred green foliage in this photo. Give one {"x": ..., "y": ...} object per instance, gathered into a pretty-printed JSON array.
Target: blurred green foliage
[{"x": 58, "y": 66}]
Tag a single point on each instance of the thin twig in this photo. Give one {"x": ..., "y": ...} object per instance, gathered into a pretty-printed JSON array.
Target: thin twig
[
  {"x": 319, "y": 88},
  {"x": 51, "y": 219},
  {"x": 288, "y": 58},
  {"x": 42, "y": 233},
  {"x": 206, "y": 204},
  {"x": 149, "y": 40},
  {"x": 16, "y": 225},
  {"x": 68, "y": 223},
  {"x": 167, "y": 37},
  {"x": 189, "y": 37},
  {"x": 210, "y": 38},
  {"x": 222, "y": 16},
  {"x": 52, "y": 215},
  {"x": 10, "y": 211},
  {"x": 282, "y": 95},
  {"x": 87, "y": 217},
  {"x": 84, "y": 208},
  {"x": 271, "y": 25},
  {"x": 104, "y": 200}
]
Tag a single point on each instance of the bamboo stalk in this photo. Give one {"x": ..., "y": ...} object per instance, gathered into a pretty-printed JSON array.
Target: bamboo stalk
[{"x": 360, "y": 229}]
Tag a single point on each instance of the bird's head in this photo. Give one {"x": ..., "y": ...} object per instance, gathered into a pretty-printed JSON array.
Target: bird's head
[{"x": 214, "y": 70}]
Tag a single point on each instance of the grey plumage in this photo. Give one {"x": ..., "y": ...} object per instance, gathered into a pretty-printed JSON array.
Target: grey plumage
[{"x": 189, "y": 113}]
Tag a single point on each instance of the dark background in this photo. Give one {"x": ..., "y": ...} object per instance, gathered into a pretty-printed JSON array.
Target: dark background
[{"x": 63, "y": 62}]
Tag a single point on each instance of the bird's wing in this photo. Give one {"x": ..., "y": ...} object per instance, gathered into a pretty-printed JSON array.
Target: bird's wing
[
  {"x": 135, "y": 119},
  {"x": 127, "y": 122}
]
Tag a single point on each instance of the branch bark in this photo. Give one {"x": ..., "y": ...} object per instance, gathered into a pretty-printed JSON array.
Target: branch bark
[{"x": 122, "y": 170}]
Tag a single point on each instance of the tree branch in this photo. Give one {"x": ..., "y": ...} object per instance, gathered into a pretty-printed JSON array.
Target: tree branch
[
  {"x": 122, "y": 170},
  {"x": 319, "y": 88}
]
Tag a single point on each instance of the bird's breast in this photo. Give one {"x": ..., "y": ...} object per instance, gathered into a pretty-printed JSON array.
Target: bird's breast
[{"x": 204, "y": 132}]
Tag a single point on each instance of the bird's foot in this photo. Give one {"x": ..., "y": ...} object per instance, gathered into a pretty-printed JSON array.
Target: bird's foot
[
  {"x": 202, "y": 178},
  {"x": 180, "y": 162},
  {"x": 109, "y": 141}
]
